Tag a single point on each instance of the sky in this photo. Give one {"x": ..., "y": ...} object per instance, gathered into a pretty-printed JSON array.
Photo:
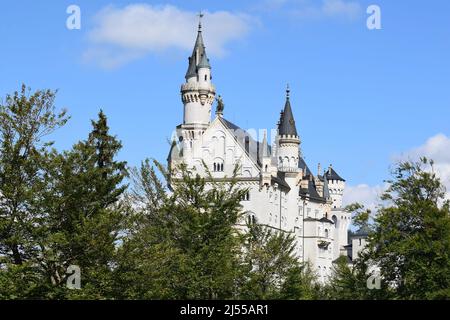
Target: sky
[{"x": 362, "y": 98}]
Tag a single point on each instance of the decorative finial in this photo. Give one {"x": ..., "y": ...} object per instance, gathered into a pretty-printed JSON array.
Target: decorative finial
[
  {"x": 200, "y": 16},
  {"x": 288, "y": 91}
]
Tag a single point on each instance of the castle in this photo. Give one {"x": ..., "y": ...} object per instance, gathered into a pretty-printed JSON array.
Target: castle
[{"x": 284, "y": 194}]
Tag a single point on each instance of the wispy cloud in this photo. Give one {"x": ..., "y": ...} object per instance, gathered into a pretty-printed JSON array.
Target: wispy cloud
[
  {"x": 436, "y": 148},
  {"x": 364, "y": 194},
  {"x": 124, "y": 34}
]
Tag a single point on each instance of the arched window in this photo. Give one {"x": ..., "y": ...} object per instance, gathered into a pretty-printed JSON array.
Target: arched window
[
  {"x": 335, "y": 220},
  {"x": 265, "y": 168},
  {"x": 206, "y": 77},
  {"x": 215, "y": 167},
  {"x": 326, "y": 233}
]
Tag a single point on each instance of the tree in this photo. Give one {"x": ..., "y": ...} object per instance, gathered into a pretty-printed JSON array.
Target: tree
[
  {"x": 85, "y": 216},
  {"x": 411, "y": 238},
  {"x": 269, "y": 262},
  {"x": 301, "y": 284},
  {"x": 25, "y": 122},
  {"x": 183, "y": 242}
]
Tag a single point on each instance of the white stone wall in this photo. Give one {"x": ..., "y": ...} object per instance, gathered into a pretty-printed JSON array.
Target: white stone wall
[{"x": 271, "y": 205}]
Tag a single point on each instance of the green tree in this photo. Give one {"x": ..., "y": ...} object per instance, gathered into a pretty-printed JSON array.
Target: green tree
[
  {"x": 183, "y": 242},
  {"x": 85, "y": 215},
  {"x": 411, "y": 238},
  {"x": 301, "y": 284},
  {"x": 269, "y": 262},
  {"x": 25, "y": 122}
]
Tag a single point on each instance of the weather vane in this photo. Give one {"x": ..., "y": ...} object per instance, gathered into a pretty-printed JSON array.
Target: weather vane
[{"x": 200, "y": 16}]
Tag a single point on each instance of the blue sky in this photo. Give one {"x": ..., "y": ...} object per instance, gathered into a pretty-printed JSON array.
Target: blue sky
[{"x": 360, "y": 97}]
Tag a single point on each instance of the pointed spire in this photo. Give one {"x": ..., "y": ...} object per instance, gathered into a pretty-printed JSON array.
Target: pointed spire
[
  {"x": 326, "y": 190},
  {"x": 198, "y": 54},
  {"x": 287, "y": 122},
  {"x": 265, "y": 147}
]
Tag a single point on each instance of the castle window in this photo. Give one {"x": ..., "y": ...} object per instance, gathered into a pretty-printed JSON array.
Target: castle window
[
  {"x": 266, "y": 168},
  {"x": 326, "y": 233},
  {"x": 335, "y": 220},
  {"x": 247, "y": 196},
  {"x": 218, "y": 167},
  {"x": 206, "y": 77}
]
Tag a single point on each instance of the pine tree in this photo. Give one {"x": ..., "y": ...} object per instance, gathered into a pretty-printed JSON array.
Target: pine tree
[
  {"x": 25, "y": 122},
  {"x": 85, "y": 216}
]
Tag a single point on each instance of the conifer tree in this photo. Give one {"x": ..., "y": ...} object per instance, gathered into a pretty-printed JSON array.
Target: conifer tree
[{"x": 25, "y": 122}]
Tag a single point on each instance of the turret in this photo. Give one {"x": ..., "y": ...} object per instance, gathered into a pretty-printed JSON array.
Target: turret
[
  {"x": 288, "y": 150},
  {"x": 198, "y": 92},
  {"x": 336, "y": 186}
]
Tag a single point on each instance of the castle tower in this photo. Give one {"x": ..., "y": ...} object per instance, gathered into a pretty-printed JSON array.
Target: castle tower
[
  {"x": 198, "y": 92},
  {"x": 288, "y": 140},
  {"x": 336, "y": 186},
  {"x": 197, "y": 95},
  {"x": 341, "y": 218}
]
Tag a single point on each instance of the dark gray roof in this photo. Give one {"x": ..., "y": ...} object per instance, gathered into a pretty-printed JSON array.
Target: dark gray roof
[
  {"x": 204, "y": 62},
  {"x": 311, "y": 192},
  {"x": 302, "y": 165},
  {"x": 287, "y": 121},
  {"x": 264, "y": 147},
  {"x": 198, "y": 52},
  {"x": 253, "y": 152},
  {"x": 192, "y": 69},
  {"x": 326, "y": 220},
  {"x": 330, "y": 174},
  {"x": 280, "y": 180}
]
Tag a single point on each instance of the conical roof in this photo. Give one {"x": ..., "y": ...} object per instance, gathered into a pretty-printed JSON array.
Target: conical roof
[{"x": 287, "y": 122}]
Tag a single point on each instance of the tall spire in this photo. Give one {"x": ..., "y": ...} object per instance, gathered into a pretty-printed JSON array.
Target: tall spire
[
  {"x": 198, "y": 54},
  {"x": 287, "y": 122},
  {"x": 265, "y": 147}
]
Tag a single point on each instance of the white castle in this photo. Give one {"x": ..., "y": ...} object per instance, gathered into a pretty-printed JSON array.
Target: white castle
[{"x": 283, "y": 192}]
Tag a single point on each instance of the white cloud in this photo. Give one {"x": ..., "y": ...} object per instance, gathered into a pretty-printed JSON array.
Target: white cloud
[
  {"x": 364, "y": 194},
  {"x": 128, "y": 33},
  {"x": 436, "y": 148}
]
